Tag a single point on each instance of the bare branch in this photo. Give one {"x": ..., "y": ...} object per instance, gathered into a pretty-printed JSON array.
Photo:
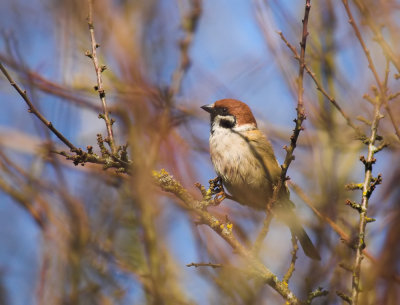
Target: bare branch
[
  {"x": 290, "y": 271},
  {"x": 100, "y": 88},
  {"x": 381, "y": 86},
  {"x": 318, "y": 84},
  {"x": 189, "y": 25},
  {"x": 196, "y": 265},
  {"x": 32, "y": 109},
  {"x": 368, "y": 162},
  {"x": 169, "y": 184},
  {"x": 298, "y": 127}
]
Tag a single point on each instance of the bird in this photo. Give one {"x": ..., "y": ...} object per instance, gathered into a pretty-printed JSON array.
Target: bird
[{"x": 244, "y": 160}]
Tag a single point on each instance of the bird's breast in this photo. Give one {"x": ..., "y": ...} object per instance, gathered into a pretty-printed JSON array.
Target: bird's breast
[{"x": 238, "y": 163}]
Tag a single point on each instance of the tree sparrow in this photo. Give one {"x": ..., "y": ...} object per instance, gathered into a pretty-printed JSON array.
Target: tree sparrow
[{"x": 244, "y": 160}]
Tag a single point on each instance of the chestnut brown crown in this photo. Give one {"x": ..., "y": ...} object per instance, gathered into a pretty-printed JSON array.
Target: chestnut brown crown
[{"x": 238, "y": 109}]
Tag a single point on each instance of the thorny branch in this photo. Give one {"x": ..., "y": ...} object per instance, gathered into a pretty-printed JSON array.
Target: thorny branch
[
  {"x": 368, "y": 162},
  {"x": 368, "y": 179},
  {"x": 100, "y": 88},
  {"x": 298, "y": 127},
  {"x": 291, "y": 268}
]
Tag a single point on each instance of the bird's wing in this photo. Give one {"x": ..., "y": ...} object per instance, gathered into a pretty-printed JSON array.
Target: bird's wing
[{"x": 263, "y": 151}]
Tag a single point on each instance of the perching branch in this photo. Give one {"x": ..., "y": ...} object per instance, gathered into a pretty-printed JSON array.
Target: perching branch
[{"x": 169, "y": 184}]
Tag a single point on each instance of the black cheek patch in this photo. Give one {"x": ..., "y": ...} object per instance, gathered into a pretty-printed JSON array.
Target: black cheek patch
[{"x": 227, "y": 123}]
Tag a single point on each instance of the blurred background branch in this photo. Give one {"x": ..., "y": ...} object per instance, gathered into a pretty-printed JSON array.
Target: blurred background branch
[{"x": 82, "y": 235}]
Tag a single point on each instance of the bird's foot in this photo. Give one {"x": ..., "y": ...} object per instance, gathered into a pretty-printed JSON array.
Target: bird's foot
[
  {"x": 218, "y": 190},
  {"x": 219, "y": 197},
  {"x": 216, "y": 185}
]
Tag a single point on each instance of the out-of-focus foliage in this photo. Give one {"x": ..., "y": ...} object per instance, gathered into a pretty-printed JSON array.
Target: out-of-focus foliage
[{"x": 108, "y": 238}]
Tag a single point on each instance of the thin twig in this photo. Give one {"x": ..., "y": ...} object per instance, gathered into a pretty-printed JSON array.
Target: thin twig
[
  {"x": 212, "y": 265},
  {"x": 392, "y": 119},
  {"x": 263, "y": 233},
  {"x": 319, "y": 292},
  {"x": 393, "y": 96},
  {"x": 387, "y": 99},
  {"x": 25, "y": 201},
  {"x": 377, "y": 30},
  {"x": 32, "y": 109},
  {"x": 45, "y": 85},
  {"x": 343, "y": 235},
  {"x": 189, "y": 25},
  {"x": 291, "y": 268},
  {"x": 363, "y": 45},
  {"x": 300, "y": 104},
  {"x": 318, "y": 84},
  {"x": 381, "y": 86},
  {"x": 100, "y": 88}
]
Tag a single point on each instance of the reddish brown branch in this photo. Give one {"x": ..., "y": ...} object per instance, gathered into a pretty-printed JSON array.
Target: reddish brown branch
[
  {"x": 300, "y": 104},
  {"x": 100, "y": 88},
  {"x": 189, "y": 25},
  {"x": 32, "y": 109},
  {"x": 381, "y": 86},
  {"x": 48, "y": 86},
  {"x": 377, "y": 30}
]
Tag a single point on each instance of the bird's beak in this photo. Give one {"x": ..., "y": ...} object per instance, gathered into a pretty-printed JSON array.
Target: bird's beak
[{"x": 209, "y": 108}]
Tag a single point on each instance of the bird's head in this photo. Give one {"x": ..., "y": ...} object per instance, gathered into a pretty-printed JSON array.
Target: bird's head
[{"x": 232, "y": 114}]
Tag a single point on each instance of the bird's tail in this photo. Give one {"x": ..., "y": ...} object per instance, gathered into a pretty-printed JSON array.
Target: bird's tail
[
  {"x": 305, "y": 242},
  {"x": 289, "y": 217}
]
